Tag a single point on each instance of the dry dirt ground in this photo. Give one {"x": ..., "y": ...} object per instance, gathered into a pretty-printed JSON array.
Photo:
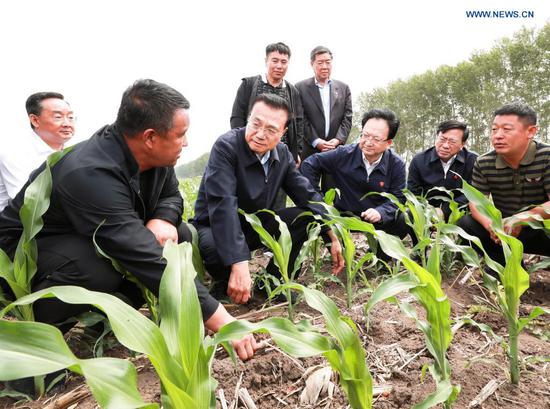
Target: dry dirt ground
[{"x": 395, "y": 350}]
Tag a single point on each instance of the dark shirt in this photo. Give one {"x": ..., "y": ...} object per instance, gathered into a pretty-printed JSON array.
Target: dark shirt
[
  {"x": 99, "y": 181},
  {"x": 426, "y": 172},
  {"x": 345, "y": 164},
  {"x": 234, "y": 178},
  {"x": 250, "y": 88}
]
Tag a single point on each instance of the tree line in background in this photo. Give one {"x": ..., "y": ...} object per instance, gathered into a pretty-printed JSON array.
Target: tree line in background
[
  {"x": 517, "y": 68},
  {"x": 514, "y": 69}
]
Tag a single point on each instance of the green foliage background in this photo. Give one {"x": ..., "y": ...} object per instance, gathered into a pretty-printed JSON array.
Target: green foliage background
[{"x": 514, "y": 69}]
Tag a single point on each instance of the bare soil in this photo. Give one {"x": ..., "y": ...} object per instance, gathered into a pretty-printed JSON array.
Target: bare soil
[{"x": 395, "y": 350}]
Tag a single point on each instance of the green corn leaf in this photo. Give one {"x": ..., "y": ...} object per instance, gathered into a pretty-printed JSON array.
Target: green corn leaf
[
  {"x": 313, "y": 235},
  {"x": 390, "y": 288},
  {"x": 536, "y": 312},
  {"x": 32, "y": 348},
  {"x": 443, "y": 392}
]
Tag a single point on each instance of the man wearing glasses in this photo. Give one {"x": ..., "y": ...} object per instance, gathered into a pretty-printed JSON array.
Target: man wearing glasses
[
  {"x": 442, "y": 164},
  {"x": 516, "y": 173},
  {"x": 52, "y": 122},
  {"x": 366, "y": 167},
  {"x": 246, "y": 169}
]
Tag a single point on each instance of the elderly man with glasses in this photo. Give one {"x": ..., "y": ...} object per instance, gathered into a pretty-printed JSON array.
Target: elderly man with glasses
[
  {"x": 368, "y": 166},
  {"x": 443, "y": 165}
]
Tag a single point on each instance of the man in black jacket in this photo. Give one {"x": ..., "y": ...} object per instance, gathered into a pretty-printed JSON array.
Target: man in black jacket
[
  {"x": 246, "y": 169},
  {"x": 277, "y": 57},
  {"x": 121, "y": 185}
]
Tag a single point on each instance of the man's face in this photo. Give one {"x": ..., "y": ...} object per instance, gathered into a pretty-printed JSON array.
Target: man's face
[
  {"x": 374, "y": 139},
  {"x": 510, "y": 136},
  {"x": 55, "y": 124},
  {"x": 167, "y": 148},
  {"x": 276, "y": 64},
  {"x": 322, "y": 67},
  {"x": 265, "y": 128},
  {"x": 449, "y": 143}
]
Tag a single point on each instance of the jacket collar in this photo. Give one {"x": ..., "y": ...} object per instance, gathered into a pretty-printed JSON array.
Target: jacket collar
[
  {"x": 131, "y": 163},
  {"x": 357, "y": 160}
]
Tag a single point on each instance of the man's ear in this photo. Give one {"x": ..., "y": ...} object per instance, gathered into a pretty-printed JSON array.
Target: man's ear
[
  {"x": 148, "y": 136},
  {"x": 390, "y": 141},
  {"x": 34, "y": 120},
  {"x": 532, "y": 130}
]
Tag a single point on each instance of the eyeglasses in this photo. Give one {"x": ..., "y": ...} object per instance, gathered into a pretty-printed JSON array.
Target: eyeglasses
[
  {"x": 373, "y": 138},
  {"x": 267, "y": 130},
  {"x": 451, "y": 142}
]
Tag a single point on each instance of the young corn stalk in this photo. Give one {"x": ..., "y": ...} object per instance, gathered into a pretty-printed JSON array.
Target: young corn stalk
[
  {"x": 281, "y": 249},
  {"x": 20, "y": 273},
  {"x": 177, "y": 348},
  {"x": 425, "y": 285},
  {"x": 514, "y": 280}
]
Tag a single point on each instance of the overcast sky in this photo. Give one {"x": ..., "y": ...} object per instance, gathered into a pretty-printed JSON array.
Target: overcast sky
[{"x": 91, "y": 51}]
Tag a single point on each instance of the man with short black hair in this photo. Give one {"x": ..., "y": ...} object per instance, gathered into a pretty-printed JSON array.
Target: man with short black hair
[
  {"x": 246, "y": 169},
  {"x": 443, "y": 165},
  {"x": 52, "y": 121},
  {"x": 327, "y": 109},
  {"x": 516, "y": 173},
  {"x": 365, "y": 167},
  {"x": 120, "y": 187},
  {"x": 277, "y": 57}
]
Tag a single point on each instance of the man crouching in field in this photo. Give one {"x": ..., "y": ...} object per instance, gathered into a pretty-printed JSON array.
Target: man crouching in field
[
  {"x": 123, "y": 179},
  {"x": 246, "y": 169}
]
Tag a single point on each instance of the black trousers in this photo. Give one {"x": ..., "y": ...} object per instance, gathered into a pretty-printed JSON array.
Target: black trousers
[
  {"x": 534, "y": 241},
  {"x": 297, "y": 229},
  {"x": 71, "y": 260}
]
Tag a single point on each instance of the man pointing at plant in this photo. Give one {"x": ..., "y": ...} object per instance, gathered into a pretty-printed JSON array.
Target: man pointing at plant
[{"x": 120, "y": 187}]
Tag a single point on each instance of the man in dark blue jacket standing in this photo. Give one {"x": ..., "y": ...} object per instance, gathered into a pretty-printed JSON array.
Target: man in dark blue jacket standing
[
  {"x": 365, "y": 167},
  {"x": 246, "y": 169}
]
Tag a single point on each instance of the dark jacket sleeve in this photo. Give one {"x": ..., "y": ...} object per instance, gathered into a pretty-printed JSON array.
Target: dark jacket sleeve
[
  {"x": 123, "y": 235},
  {"x": 239, "y": 113},
  {"x": 312, "y": 169},
  {"x": 170, "y": 203},
  {"x": 397, "y": 183},
  {"x": 220, "y": 186},
  {"x": 414, "y": 182},
  {"x": 345, "y": 125}
]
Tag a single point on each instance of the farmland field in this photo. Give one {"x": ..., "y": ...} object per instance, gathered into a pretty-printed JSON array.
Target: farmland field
[{"x": 395, "y": 349}]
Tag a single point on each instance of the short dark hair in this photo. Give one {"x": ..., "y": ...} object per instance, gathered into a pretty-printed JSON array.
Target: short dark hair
[
  {"x": 453, "y": 124},
  {"x": 33, "y": 105},
  {"x": 276, "y": 102},
  {"x": 385, "y": 114},
  {"x": 319, "y": 50},
  {"x": 524, "y": 112},
  {"x": 281, "y": 48},
  {"x": 148, "y": 104}
]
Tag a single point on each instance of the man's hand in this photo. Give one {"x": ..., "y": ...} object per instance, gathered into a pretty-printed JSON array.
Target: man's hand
[
  {"x": 371, "y": 215},
  {"x": 240, "y": 283},
  {"x": 512, "y": 226},
  {"x": 163, "y": 230},
  {"x": 336, "y": 253},
  {"x": 487, "y": 226},
  {"x": 333, "y": 143},
  {"x": 244, "y": 347}
]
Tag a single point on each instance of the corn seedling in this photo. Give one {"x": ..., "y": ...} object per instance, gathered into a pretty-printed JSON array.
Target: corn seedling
[
  {"x": 20, "y": 273},
  {"x": 514, "y": 280},
  {"x": 281, "y": 249}
]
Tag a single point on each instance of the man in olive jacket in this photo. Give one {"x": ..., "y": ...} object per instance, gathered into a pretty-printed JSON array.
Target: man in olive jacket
[{"x": 119, "y": 185}]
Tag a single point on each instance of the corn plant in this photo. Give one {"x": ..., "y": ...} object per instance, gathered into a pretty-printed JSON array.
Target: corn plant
[
  {"x": 342, "y": 349},
  {"x": 425, "y": 285},
  {"x": 514, "y": 280},
  {"x": 281, "y": 249},
  {"x": 20, "y": 273},
  {"x": 177, "y": 348}
]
